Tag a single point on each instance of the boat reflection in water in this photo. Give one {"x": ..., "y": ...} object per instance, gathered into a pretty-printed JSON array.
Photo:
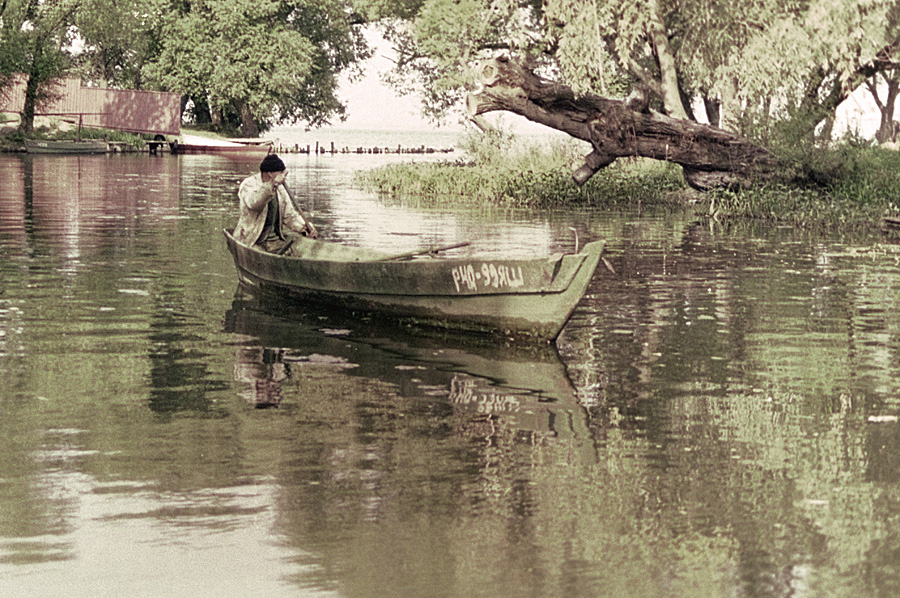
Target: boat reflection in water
[
  {"x": 404, "y": 459},
  {"x": 525, "y": 387}
]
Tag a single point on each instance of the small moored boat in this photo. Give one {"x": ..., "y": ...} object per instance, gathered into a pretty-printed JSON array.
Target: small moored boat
[
  {"x": 66, "y": 146},
  {"x": 512, "y": 297},
  {"x": 251, "y": 148}
]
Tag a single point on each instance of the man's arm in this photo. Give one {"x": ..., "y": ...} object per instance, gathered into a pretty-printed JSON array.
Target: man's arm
[
  {"x": 292, "y": 219},
  {"x": 255, "y": 194}
]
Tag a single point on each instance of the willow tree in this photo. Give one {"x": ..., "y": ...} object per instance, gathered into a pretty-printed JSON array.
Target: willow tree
[
  {"x": 265, "y": 62},
  {"x": 569, "y": 65}
]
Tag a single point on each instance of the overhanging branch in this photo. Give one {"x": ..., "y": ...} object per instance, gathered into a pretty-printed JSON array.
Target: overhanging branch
[{"x": 711, "y": 157}]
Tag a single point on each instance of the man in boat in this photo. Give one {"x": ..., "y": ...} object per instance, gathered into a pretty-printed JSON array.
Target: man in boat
[{"x": 268, "y": 211}]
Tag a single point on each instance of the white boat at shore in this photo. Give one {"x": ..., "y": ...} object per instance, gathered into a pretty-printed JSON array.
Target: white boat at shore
[{"x": 196, "y": 144}]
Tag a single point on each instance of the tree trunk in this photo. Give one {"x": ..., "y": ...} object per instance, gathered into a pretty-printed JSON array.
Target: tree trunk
[
  {"x": 668, "y": 72},
  {"x": 713, "y": 109},
  {"x": 710, "y": 157},
  {"x": 26, "y": 126},
  {"x": 215, "y": 117},
  {"x": 886, "y": 107},
  {"x": 32, "y": 87},
  {"x": 729, "y": 108},
  {"x": 249, "y": 127}
]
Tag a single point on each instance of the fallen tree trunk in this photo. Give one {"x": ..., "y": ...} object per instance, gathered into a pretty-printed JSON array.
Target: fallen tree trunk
[{"x": 710, "y": 157}]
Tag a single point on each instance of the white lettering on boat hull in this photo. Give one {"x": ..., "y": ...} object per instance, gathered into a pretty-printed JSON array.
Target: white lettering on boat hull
[{"x": 487, "y": 275}]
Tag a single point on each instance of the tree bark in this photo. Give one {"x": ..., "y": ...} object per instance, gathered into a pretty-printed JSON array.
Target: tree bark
[
  {"x": 886, "y": 130},
  {"x": 215, "y": 117},
  {"x": 668, "y": 73},
  {"x": 711, "y": 157},
  {"x": 248, "y": 123},
  {"x": 32, "y": 88}
]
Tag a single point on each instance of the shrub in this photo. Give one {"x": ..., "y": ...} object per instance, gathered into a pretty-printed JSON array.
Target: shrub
[
  {"x": 850, "y": 184},
  {"x": 506, "y": 170}
]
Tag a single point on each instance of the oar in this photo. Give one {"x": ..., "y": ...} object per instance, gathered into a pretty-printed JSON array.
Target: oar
[
  {"x": 426, "y": 251},
  {"x": 312, "y": 229}
]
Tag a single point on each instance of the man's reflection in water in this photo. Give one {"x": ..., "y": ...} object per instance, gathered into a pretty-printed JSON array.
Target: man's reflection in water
[{"x": 262, "y": 370}]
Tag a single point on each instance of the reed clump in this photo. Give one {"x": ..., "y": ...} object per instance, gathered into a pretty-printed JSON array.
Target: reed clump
[
  {"x": 850, "y": 184},
  {"x": 503, "y": 170},
  {"x": 853, "y": 184}
]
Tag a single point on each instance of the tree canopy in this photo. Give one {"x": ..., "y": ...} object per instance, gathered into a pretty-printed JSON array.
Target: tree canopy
[
  {"x": 241, "y": 63},
  {"x": 749, "y": 63},
  {"x": 270, "y": 61},
  {"x": 751, "y": 66},
  {"x": 34, "y": 37}
]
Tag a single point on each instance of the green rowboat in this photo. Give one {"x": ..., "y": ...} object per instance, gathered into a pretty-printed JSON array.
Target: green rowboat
[
  {"x": 66, "y": 146},
  {"x": 510, "y": 297}
]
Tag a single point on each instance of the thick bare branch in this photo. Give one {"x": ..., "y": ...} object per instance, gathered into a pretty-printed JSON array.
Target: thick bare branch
[{"x": 711, "y": 157}]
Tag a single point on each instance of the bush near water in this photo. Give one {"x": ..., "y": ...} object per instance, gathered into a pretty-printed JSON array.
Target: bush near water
[{"x": 852, "y": 183}]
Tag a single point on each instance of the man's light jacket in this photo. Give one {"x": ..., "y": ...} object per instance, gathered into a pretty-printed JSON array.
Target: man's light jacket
[{"x": 254, "y": 196}]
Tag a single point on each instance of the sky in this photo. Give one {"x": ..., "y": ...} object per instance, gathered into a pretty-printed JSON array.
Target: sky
[{"x": 373, "y": 105}]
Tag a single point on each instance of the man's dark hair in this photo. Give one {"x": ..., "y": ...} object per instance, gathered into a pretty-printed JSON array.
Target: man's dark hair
[{"x": 271, "y": 163}]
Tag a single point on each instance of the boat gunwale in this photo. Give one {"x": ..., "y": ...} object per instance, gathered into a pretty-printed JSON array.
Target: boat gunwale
[
  {"x": 556, "y": 285},
  {"x": 381, "y": 257},
  {"x": 477, "y": 312},
  {"x": 66, "y": 146}
]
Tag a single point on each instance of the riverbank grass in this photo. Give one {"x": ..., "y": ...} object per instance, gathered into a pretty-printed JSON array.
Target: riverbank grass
[
  {"x": 537, "y": 175},
  {"x": 59, "y": 128},
  {"x": 850, "y": 185},
  {"x": 853, "y": 184}
]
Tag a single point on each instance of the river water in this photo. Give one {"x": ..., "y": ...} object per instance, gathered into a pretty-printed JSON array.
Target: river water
[{"x": 719, "y": 418}]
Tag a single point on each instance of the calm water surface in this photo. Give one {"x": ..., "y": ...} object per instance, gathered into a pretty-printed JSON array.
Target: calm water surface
[{"x": 720, "y": 417}]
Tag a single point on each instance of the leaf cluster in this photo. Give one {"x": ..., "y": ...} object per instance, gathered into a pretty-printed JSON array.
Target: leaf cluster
[
  {"x": 278, "y": 59},
  {"x": 266, "y": 61},
  {"x": 753, "y": 62},
  {"x": 34, "y": 36}
]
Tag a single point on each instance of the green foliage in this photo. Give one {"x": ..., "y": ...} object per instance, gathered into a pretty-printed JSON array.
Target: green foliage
[
  {"x": 852, "y": 185},
  {"x": 12, "y": 142},
  {"x": 36, "y": 37},
  {"x": 374, "y": 10},
  {"x": 441, "y": 41},
  {"x": 855, "y": 184},
  {"x": 587, "y": 58},
  {"x": 117, "y": 41},
  {"x": 489, "y": 147},
  {"x": 272, "y": 61},
  {"x": 756, "y": 63},
  {"x": 257, "y": 63},
  {"x": 532, "y": 175}
]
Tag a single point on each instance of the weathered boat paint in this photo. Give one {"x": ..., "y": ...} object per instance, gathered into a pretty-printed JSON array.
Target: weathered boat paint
[
  {"x": 513, "y": 297},
  {"x": 66, "y": 146}
]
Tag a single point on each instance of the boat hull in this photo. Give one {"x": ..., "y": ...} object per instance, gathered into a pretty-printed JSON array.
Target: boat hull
[
  {"x": 515, "y": 298},
  {"x": 41, "y": 146},
  {"x": 254, "y": 151},
  {"x": 232, "y": 149}
]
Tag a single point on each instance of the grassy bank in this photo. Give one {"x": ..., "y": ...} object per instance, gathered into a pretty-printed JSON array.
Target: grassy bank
[
  {"x": 12, "y": 140},
  {"x": 849, "y": 185},
  {"x": 499, "y": 171},
  {"x": 626, "y": 183}
]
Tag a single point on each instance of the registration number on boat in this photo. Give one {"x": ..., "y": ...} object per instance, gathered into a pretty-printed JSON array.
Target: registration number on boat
[{"x": 497, "y": 276}]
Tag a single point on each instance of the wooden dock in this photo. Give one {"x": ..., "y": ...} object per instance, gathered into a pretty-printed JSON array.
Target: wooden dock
[{"x": 331, "y": 148}]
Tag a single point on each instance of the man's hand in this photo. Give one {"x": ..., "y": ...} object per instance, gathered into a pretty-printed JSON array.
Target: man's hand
[
  {"x": 279, "y": 178},
  {"x": 309, "y": 231}
]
